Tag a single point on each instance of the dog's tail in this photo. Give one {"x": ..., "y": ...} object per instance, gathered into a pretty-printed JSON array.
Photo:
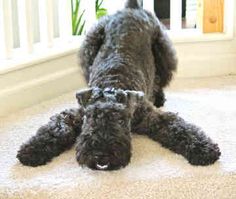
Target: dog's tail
[{"x": 133, "y": 4}]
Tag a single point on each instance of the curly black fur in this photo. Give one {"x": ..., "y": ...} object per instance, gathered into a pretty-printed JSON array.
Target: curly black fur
[
  {"x": 105, "y": 141},
  {"x": 127, "y": 60},
  {"x": 159, "y": 98},
  {"x": 106, "y": 136},
  {"x": 174, "y": 133},
  {"x": 132, "y": 4},
  {"x": 52, "y": 139}
]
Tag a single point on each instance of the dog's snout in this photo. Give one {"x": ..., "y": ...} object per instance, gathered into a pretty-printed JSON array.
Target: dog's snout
[{"x": 102, "y": 162}]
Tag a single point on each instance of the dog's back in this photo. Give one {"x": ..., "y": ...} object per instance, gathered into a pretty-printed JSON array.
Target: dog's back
[
  {"x": 124, "y": 59},
  {"x": 129, "y": 50}
]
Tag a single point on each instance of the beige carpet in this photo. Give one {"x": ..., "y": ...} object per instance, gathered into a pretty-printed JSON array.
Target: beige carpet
[{"x": 154, "y": 172}]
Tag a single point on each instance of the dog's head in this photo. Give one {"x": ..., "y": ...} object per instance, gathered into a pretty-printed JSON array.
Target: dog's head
[{"x": 105, "y": 142}]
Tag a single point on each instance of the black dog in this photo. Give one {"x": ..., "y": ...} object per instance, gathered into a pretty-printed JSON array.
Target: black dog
[{"x": 127, "y": 59}]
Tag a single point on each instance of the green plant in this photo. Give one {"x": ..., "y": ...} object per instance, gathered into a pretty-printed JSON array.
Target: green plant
[
  {"x": 100, "y": 11},
  {"x": 77, "y": 18}
]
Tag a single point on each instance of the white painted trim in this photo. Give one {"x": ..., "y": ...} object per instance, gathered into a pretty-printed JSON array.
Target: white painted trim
[
  {"x": 194, "y": 35},
  {"x": 2, "y": 40},
  {"x": 24, "y": 91},
  {"x": 26, "y": 85},
  {"x": 65, "y": 20},
  {"x": 229, "y": 19},
  {"x": 210, "y": 65},
  {"x": 26, "y": 26},
  {"x": 175, "y": 15},
  {"x": 7, "y": 28},
  {"x": 39, "y": 92},
  {"x": 40, "y": 55},
  {"x": 46, "y": 22}
]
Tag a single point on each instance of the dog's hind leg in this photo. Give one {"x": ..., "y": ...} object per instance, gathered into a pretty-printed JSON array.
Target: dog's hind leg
[
  {"x": 165, "y": 62},
  {"x": 58, "y": 135},
  {"x": 159, "y": 97},
  {"x": 174, "y": 133},
  {"x": 164, "y": 55}
]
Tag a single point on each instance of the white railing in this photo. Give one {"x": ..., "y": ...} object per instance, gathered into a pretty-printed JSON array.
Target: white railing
[
  {"x": 53, "y": 24},
  {"x": 6, "y": 32},
  {"x": 31, "y": 35},
  {"x": 175, "y": 15}
]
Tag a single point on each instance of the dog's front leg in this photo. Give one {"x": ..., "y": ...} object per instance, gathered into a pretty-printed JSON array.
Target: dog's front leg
[
  {"x": 172, "y": 132},
  {"x": 58, "y": 135}
]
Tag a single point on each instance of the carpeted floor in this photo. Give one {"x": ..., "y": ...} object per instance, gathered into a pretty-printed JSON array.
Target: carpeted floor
[{"x": 154, "y": 172}]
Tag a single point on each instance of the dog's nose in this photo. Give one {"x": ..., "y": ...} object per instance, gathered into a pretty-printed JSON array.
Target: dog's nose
[{"x": 102, "y": 163}]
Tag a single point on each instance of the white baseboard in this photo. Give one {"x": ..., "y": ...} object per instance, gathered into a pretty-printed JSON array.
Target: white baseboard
[
  {"x": 33, "y": 84},
  {"x": 37, "y": 83},
  {"x": 207, "y": 65}
]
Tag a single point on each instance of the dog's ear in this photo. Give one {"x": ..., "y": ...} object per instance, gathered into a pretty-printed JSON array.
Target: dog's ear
[
  {"x": 83, "y": 96},
  {"x": 135, "y": 97}
]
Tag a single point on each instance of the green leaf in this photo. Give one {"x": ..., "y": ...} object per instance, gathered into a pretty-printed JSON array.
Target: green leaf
[
  {"x": 77, "y": 18},
  {"x": 75, "y": 15},
  {"x": 81, "y": 29},
  {"x": 96, "y": 5},
  {"x": 78, "y": 24},
  {"x": 99, "y": 5},
  {"x": 101, "y": 12}
]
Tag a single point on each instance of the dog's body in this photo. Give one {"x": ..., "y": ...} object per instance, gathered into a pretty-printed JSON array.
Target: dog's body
[
  {"x": 127, "y": 60},
  {"x": 129, "y": 50}
]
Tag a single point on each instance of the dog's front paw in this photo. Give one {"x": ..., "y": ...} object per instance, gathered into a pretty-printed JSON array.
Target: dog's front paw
[
  {"x": 32, "y": 156},
  {"x": 39, "y": 149},
  {"x": 205, "y": 153}
]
